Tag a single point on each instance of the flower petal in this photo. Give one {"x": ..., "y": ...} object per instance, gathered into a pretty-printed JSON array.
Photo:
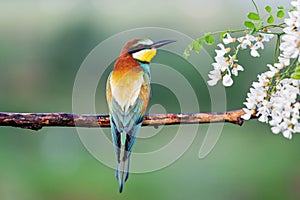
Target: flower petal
[{"x": 227, "y": 80}]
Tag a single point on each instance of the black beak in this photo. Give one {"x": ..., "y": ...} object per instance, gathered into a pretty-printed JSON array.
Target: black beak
[{"x": 161, "y": 43}]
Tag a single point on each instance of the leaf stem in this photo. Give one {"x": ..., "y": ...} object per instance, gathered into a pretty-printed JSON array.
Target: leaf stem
[
  {"x": 272, "y": 33},
  {"x": 283, "y": 76},
  {"x": 227, "y": 31},
  {"x": 276, "y": 51},
  {"x": 256, "y": 8},
  {"x": 281, "y": 25}
]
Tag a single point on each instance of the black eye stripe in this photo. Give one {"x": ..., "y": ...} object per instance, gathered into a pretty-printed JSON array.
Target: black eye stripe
[{"x": 139, "y": 48}]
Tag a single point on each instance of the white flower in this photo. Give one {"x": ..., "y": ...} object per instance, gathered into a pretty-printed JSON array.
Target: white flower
[
  {"x": 276, "y": 130},
  {"x": 254, "y": 52},
  {"x": 263, "y": 111},
  {"x": 279, "y": 109},
  {"x": 236, "y": 69},
  {"x": 284, "y": 61},
  {"x": 275, "y": 100},
  {"x": 296, "y": 4},
  {"x": 215, "y": 76},
  {"x": 222, "y": 51},
  {"x": 247, "y": 115},
  {"x": 259, "y": 43},
  {"x": 227, "y": 64},
  {"x": 287, "y": 134},
  {"x": 227, "y": 80},
  {"x": 266, "y": 37},
  {"x": 212, "y": 82},
  {"x": 228, "y": 39},
  {"x": 279, "y": 66},
  {"x": 290, "y": 46},
  {"x": 255, "y": 43},
  {"x": 246, "y": 40},
  {"x": 297, "y": 128},
  {"x": 220, "y": 64},
  {"x": 273, "y": 70},
  {"x": 223, "y": 67},
  {"x": 285, "y": 109}
]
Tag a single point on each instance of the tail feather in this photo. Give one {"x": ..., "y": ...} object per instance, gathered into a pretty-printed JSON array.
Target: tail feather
[
  {"x": 123, "y": 148},
  {"x": 122, "y": 170}
]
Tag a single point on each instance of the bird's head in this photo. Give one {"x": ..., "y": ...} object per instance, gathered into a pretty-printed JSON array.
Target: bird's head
[{"x": 144, "y": 49}]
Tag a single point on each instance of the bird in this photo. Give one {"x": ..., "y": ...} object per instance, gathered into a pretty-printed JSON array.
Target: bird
[{"x": 127, "y": 93}]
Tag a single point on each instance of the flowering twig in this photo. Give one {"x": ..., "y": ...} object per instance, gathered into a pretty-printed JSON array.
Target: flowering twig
[
  {"x": 275, "y": 93},
  {"x": 273, "y": 97}
]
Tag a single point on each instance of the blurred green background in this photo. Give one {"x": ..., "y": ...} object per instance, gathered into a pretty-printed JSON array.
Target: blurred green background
[{"x": 42, "y": 45}]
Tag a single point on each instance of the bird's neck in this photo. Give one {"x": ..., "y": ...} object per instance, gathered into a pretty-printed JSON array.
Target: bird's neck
[
  {"x": 145, "y": 67},
  {"x": 126, "y": 63}
]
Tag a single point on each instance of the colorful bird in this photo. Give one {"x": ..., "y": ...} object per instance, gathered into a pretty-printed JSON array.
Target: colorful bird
[{"x": 127, "y": 94}]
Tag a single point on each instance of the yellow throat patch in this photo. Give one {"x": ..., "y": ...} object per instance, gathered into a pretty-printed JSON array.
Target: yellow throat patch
[{"x": 145, "y": 55}]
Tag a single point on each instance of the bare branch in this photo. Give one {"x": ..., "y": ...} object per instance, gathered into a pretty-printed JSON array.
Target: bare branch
[{"x": 36, "y": 121}]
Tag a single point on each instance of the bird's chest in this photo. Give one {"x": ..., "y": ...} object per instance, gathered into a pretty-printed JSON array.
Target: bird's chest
[{"x": 126, "y": 87}]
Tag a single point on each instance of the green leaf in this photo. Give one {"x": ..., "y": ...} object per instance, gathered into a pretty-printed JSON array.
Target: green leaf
[
  {"x": 253, "y": 16},
  {"x": 197, "y": 45},
  {"x": 222, "y": 35},
  {"x": 268, "y": 9},
  {"x": 295, "y": 76},
  {"x": 280, "y": 7},
  {"x": 270, "y": 19},
  {"x": 209, "y": 39},
  {"x": 249, "y": 24},
  {"x": 280, "y": 14},
  {"x": 297, "y": 70},
  {"x": 186, "y": 53},
  {"x": 254, "y": 30}
]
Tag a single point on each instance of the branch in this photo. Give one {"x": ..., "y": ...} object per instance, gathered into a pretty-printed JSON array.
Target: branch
[{"x": 36, "y": 121}]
